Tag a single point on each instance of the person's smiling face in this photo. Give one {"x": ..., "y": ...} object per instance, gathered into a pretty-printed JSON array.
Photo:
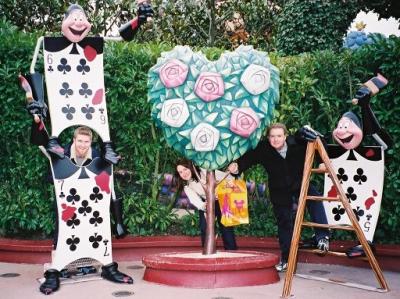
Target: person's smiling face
[
  {"x": 75, "y": 26},
  {"x": 82, "y": 144},
  {"x": 184, "y": 173},
  {"x": 347, "y": 134},
  {"x": 277, "y": 138}
]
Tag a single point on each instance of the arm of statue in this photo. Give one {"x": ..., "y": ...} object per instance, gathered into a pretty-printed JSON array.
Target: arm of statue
[
  {"x": 32, "y": 84},
  {"x": 371, "y": 124},
  {"x": 36, "y": 53},
  {"x": 144, "y": 14}
]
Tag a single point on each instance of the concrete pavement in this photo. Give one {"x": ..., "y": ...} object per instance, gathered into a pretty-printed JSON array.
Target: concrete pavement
[{"x": 25, "y": 286}]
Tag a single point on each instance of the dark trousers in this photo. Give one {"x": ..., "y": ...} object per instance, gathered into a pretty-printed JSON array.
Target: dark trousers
[
  {"x": 285, "y": 216},
  {"x": 227, "y": 233}
]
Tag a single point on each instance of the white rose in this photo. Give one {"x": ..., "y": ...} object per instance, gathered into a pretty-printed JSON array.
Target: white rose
[
  {"x": 174, "y": 112},
  {"x": 256, "y": 79}
]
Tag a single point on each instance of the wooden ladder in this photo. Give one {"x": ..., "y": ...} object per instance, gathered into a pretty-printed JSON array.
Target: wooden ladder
[{"x": 317, "y": 145}]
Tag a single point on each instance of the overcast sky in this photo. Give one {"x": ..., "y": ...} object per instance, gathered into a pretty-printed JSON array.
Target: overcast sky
[{"x": 385, "y": 26}]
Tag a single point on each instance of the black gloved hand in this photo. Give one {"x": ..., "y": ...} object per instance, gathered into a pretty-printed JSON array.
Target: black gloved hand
[
  {"x": 37, "y": 108},
  {"x": 145, "y": 11},
  {"x": 306, "y": 133},
  {"x": 108, "y": 153},
  {"x": 54, "y": 148},
  {"x": 362, "y": 96}
]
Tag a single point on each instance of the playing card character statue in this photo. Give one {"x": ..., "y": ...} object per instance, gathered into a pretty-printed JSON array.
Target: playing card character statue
[
  {"x": 360, "y": 169},
  {"x": 76, "y": 97},
  {"x": 212, "y": 112}
]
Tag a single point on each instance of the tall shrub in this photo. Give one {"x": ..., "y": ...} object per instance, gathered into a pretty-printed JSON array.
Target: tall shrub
[
  {"x": 315, "y": 89},
  {"x": 312, "y": 25}
]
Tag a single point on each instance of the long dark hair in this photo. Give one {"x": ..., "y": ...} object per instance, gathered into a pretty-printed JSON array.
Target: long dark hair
[{"x": 188, "y": 164}]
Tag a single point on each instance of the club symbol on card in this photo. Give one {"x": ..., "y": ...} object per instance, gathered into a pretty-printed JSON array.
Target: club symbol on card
[
  {"x": 360, "y": 177},
  {"x": 96, "y": 195},
  {"x": 72, "y": 242},
  {"x": 50, "y": 69},
  {"x": 73, "y": 221},
  {"x": 64, "y": 67},
  {"x": 342, "y": 176},
  {"x": 85, "y": 90},
  {"x": 88, "y": 111},
  {"x": 65, "y": 90},
  {"x": 68, "y": 111},
  {"x": 338, "y": 212},
  {"x": 82, "y": 67},
  {"x": 369, "y": 216},
  {"x": 95, "y": 240},
  {"x": 85, "y": 208},
  {"x": 351, "y": 196},
  {"x": 101, "y": 110},
  {"x": 358, "y": 212},
  {"x": 96, "y": 219},
  {"x": 73, "y": 196}
]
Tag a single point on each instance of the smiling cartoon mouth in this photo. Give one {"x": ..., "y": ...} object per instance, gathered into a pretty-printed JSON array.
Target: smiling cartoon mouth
[
  {"x": 77, "y": 32},
  {"x": 347, "y": 139}
]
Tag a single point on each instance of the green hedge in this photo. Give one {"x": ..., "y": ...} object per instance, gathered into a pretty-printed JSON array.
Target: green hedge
[{"x": 315, "y": 88}]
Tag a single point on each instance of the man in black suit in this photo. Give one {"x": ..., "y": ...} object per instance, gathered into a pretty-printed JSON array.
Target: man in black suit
[{"x": 282, "y": 157}]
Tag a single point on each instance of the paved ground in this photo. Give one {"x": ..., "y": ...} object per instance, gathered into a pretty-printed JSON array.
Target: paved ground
[{"x": 25, "y": 286}]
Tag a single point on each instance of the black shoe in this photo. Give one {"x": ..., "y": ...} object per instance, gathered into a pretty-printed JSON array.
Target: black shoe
[
  {"x": 52, "y": 282},
  {"x": 111, "y": 273},
  {"x": 54, "y": 148},
  {"x": 358, "y": 251},
  {"x": 109, "y": 154}
]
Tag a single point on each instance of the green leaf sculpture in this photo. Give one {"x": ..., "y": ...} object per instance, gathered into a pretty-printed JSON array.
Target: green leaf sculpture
[{"x": 212, "y": 112}]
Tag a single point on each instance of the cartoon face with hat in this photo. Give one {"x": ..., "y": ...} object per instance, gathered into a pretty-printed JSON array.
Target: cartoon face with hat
[{"x": 348, "y": 133}]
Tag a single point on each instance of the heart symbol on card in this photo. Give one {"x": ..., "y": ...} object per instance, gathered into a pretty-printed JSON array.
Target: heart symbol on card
[
  {"x": 90, "y": 53},
  {"x": 98, "y": 97},
  {"x": 370, "y": 153},
  {"x": 213, "y": 112},
  {"x": 68, "y": 212}
]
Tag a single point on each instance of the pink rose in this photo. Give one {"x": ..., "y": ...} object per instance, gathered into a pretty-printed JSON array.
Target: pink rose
[
  {"x": 209, "y": 86},
  {"x": 244, "y": 121},
  {"x": 173, "y": 73}
]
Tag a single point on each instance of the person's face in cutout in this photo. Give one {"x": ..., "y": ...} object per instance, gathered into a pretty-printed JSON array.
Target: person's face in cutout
[
  {"x": 75, "y": 27},
  {"x": 184, "y": 172},
  {"x": 82, "y": 144},
  {"x": 277, "y": 138},
  {"x": 347, "y": 134}
]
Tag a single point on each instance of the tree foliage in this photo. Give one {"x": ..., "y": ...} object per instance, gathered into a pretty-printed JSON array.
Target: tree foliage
[
  {"x": 384, "y": 8},
  {"x": 311, "y": 25},
  {"x": 296, "y": 26},
  {"x": 202, "y": 22}
]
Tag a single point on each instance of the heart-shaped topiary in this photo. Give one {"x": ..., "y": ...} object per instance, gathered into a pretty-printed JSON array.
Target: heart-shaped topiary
[{"x": 212, "y": 112}]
